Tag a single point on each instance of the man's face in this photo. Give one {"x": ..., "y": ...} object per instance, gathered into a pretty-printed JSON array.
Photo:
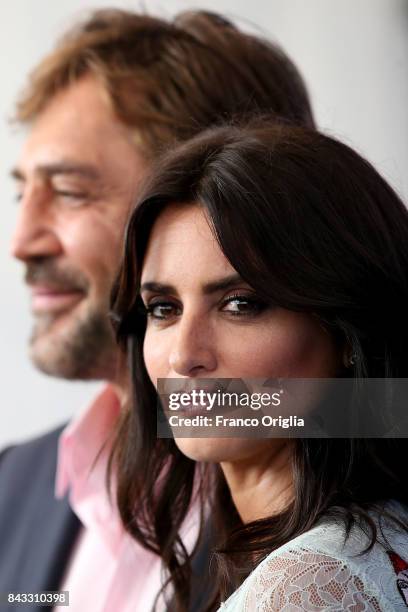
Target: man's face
[{"x": 77, "y": 177}]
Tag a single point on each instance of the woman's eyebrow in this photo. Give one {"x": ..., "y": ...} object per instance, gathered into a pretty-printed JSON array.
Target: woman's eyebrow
[
  {"x": 157, "y": 288},
  {"x": 220, "y": 284}
]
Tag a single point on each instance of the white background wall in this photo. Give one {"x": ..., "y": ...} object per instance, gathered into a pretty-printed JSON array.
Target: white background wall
[{"x": 354, "y": 57}]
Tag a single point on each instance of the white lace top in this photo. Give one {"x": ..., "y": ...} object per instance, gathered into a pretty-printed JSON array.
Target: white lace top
[{"x": 319, "y": 571}]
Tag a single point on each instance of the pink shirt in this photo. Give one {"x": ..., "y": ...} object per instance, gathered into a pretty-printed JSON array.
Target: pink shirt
[{"x": 108, "y": 570}]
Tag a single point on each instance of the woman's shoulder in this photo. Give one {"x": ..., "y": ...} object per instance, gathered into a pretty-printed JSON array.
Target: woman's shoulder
[{"x": 323, "y": 570}]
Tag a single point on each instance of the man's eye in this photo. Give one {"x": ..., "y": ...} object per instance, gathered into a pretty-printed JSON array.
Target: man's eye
[
  {"x": 19, "y": 191},
  {"x": 241, "y": 305},
  {"x": 162, "y": 310},
  {"x": 71, "y": 195}
]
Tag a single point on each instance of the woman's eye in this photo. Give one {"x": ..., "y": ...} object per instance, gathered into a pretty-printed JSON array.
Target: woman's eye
[
  {"x": 242, "y": 305},
  {"x": 162, "y": 310}
]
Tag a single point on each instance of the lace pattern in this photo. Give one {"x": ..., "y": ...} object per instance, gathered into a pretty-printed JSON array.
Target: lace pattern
[
  {"x": 320, "y": 571},
  {"x": 303, "y": 580}
]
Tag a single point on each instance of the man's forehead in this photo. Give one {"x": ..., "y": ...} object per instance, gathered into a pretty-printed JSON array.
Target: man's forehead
[
  {"x": 63, "y": 166},
  {"x": 56, "y": 150},
  {"x": 76, "y": 126}
]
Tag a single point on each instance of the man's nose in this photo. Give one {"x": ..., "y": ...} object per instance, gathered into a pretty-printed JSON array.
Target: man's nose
[
  {"x": 193, "y": 350},
  {"x": 34, "y": 234}
]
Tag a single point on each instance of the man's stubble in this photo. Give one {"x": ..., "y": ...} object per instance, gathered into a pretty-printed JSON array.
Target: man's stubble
[{"x": 77, "y": 344}]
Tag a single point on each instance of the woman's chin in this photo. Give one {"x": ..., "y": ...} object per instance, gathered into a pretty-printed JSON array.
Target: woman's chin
[{"x": 217, "y": 450}]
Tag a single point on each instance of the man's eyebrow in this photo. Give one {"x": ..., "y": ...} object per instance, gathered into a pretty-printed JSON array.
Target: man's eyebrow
[
  {"x": 64, "y": 167},
  {"x": 218, "y": 285},
  {"x": 17, "y": 174}
]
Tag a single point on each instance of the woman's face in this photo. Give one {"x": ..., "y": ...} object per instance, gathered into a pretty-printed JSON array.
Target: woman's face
[{"x": 205, "y": 322}]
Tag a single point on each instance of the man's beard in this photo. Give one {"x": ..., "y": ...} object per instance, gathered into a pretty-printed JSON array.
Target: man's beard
[
  {"x": 84, "y": 349},
  {"x": 76, "y": 344}
]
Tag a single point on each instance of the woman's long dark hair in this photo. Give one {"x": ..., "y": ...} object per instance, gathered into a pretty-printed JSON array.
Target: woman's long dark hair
[{"x": 312, "y": 227}]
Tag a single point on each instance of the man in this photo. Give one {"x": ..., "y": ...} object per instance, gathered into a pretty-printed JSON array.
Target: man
[{"x": 116, "y": 90}]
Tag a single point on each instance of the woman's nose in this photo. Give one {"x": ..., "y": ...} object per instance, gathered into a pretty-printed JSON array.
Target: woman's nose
[{"x": 193, "y": 350}]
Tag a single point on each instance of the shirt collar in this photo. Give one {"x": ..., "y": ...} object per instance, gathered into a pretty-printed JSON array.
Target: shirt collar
[{"x": 83, "y": 453}]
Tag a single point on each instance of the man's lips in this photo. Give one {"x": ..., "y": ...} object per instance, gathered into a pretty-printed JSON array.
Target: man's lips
[{"x": 48, "y": 299}]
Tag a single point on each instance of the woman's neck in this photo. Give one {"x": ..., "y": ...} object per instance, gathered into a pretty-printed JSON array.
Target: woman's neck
[{"x": 261, "y": 485}]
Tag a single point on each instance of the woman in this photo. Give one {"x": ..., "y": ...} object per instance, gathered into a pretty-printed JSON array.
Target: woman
[{"x": 268, "y": 251}]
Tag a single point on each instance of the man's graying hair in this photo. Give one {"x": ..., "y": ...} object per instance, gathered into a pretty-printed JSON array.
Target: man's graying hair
[{"x": 169, "y": 79}]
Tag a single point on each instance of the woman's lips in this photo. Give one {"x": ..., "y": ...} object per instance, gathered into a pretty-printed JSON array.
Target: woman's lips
[{"x": 45, "y": 300}]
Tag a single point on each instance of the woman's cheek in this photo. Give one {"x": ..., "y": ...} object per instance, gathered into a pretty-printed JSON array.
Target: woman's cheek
[
  {"x": 280, "y": 348},
  {"x": 247, "y": 352}
]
